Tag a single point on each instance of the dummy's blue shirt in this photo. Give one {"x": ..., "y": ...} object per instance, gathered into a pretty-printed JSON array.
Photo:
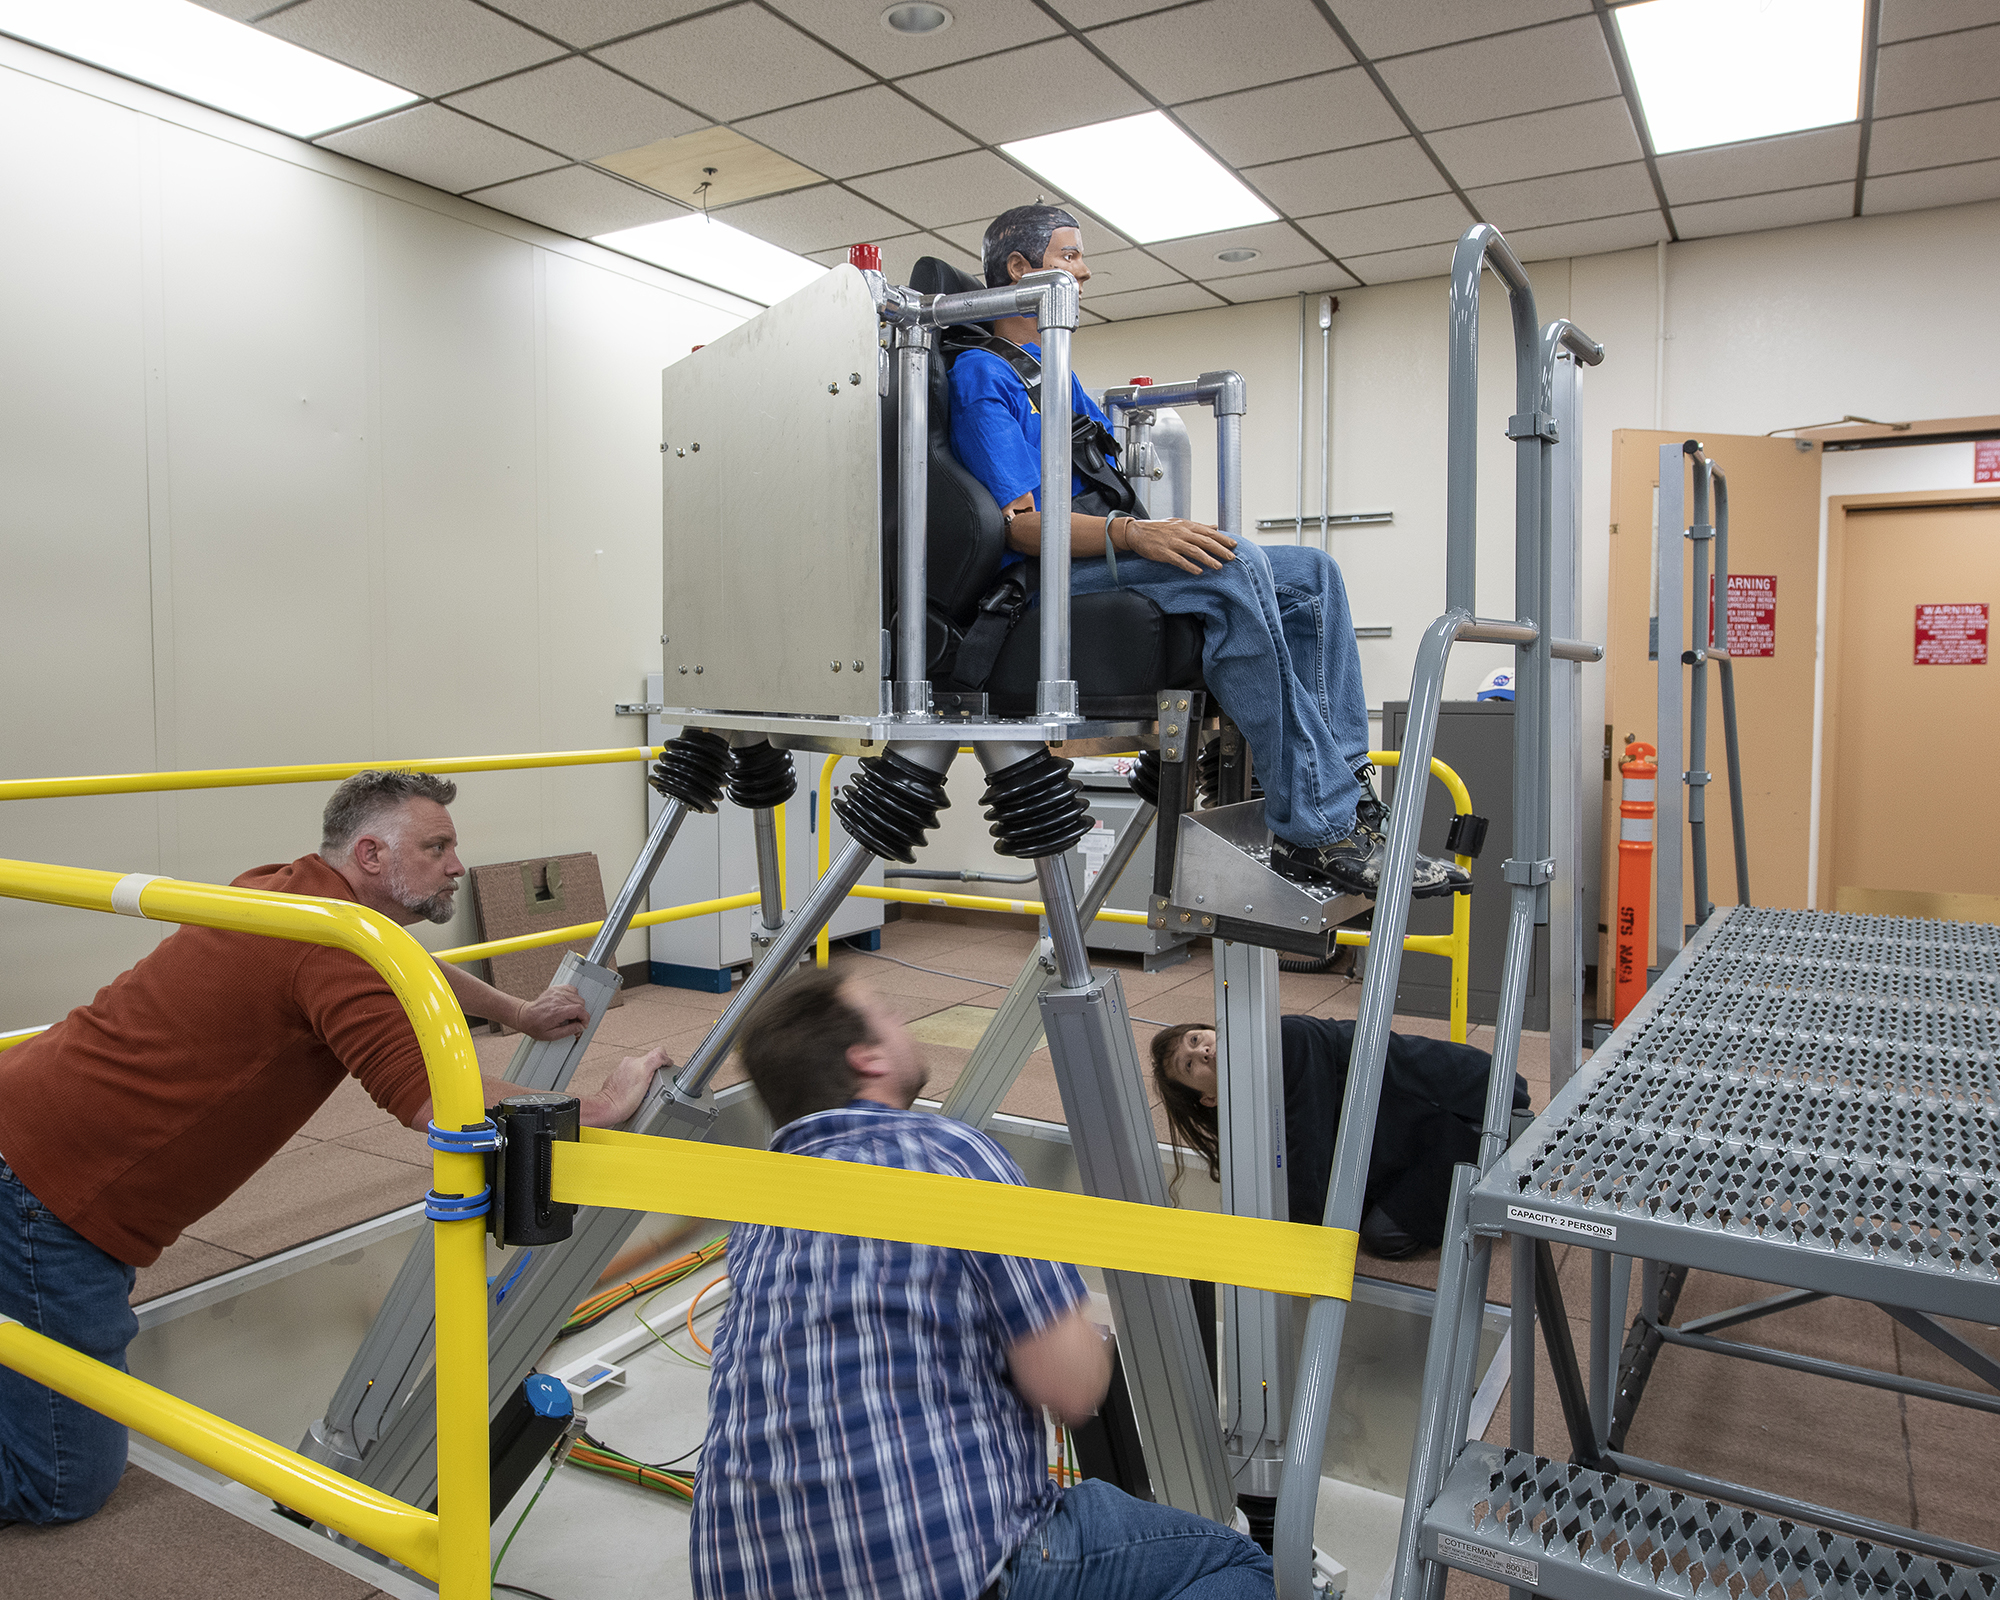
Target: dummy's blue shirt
[{"x": 996, "y": 432}]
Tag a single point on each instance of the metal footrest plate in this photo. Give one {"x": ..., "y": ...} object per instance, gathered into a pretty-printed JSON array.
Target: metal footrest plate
[
  {"x": 1573, "y": 1534},
  {"x": 1225, "y": 886}
]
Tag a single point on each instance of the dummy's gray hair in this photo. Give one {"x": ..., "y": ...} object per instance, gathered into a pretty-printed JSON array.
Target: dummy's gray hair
[
  {"x": 1027, "y": 229},
  {"x": 367, "y": 796}
]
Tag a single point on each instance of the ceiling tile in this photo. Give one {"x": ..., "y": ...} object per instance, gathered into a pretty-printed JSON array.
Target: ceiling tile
[
  {"x": 1277, "y": 245},
  {"x": 860, "y": 132},
  {"x": 854, "y": 27},
  {"x": 973, "y": 188},
  {"x": 1910, "y": 19},
  {"x": 1564, "y": 140},
  {"x": 587, "y": 22},
  {"x": 1940, "y": 186},
  {"x": 236, "y": 10},
  {"x": 1315, "y": 279},
  {"x": 1119, "y": 271},
  {"x": 1219, "y": 45},
  {"x": 806, "y": 220},
  {"x": 1595, "y": 238},
  {"x": 580, "y": 201},
  {"x": 1560, "y": 64},
  {"x": 1944, "y": 71},
  {"x": 441, "y": 148},
  {"x": 1568, "y": 197},
  {"x": 1095, "y": 13},
  {"x": 1070, "y": 87},
  {"x": 1797, "y": 160},
  {"x": 1344, "y": 180},
  {"x": 900, "y": 254},
  {"x": 1935, "y": 138},
  {"x": 732, "y": 167},
  {"x": 1754, "y": 213},
  {"x": 1394, "y": 227},
  {"x": 971, "y": 236},
  {"x": 1392, "y": 27},
  {"x": 733, "y": 63},
  {"x": 577, "y": 107},
  {"x": 1397, "y": 266},
  {"x": 1331, "y": 111},
  {"x": 1159, "y": 302},
  {"x": 431, "y": 46}
]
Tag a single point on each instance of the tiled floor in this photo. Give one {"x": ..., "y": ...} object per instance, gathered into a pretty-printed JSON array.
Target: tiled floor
[{"x": 1905, "y": 1460}]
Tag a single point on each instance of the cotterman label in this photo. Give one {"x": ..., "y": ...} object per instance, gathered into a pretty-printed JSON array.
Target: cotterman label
[
  {"x": 1525, "y": 1573},
  {"x": 1549, "y": 1219}
]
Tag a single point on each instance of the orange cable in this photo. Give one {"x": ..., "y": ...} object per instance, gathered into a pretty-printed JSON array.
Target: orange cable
[{"x": 696, "y": 1301}]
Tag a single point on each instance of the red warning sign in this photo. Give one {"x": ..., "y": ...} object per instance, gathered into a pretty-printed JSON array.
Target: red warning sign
[
  {"x": 1986, "y": 461},
  {"x": 1952, "y": 635},
  {"x": 1753, "y": 614}
]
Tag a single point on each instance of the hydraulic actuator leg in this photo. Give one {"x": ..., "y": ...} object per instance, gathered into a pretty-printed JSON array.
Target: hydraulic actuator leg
[
  {"x": 1038, "y": 814},
  {"x": 397, "y": 1348}
]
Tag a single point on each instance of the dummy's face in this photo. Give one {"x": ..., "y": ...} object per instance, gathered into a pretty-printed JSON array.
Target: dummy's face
[
  {"x": 892, "y": 1057},
  {"x": 420, "y": 859},
  {"x": 1193, "y": 1063},
  {"x": 1065, "y": 254}
]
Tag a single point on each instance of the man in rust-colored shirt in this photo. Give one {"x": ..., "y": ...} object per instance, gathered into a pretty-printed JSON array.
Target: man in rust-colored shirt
[{"x": 144, "y": 1110}]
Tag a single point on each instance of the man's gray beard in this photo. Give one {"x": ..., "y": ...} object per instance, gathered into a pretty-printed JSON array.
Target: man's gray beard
[{"x": 432, "y": 908}]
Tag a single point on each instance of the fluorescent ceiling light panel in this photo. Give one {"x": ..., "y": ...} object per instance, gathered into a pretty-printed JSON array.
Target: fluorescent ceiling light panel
[
  {"x": 1144, "y": 176},
  {"x": 180, "y": 47},
  {"x": 714, "y": 253},
  {"x": 1714, "y": 72}
]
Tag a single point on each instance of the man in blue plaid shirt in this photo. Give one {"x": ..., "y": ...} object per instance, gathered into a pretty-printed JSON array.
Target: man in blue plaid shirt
[{"x": 875, "y": 1421}]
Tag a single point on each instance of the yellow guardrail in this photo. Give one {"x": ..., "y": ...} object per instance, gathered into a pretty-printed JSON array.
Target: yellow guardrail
[
  {"x": 452, "y": 1548},
  {"x": 325, "y": 772}
]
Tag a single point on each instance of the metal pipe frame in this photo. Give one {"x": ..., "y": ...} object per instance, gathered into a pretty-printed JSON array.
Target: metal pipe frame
[
  {"x": 1732, "y": 749},
  {"x": 1224, "y": 393},
  {"x": 770, "y": 880},
  {"x": 1052, "y": 299},
  {"x": 619, "y": 918},
  {"x": 1701, "y": 625},
  {"x": 1845, "y": 1372},
  {"x": 912, "y": 697}
]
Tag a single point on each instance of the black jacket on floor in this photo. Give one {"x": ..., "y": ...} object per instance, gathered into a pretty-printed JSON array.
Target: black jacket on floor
[{"x": 1433, "y": 1101}]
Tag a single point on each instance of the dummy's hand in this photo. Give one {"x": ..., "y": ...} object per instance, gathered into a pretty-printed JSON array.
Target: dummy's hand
[
  {"x": 556, "y": 1013},
  {"x": 1191, "y": 546},
  {"x": 613, "y": 1105}
]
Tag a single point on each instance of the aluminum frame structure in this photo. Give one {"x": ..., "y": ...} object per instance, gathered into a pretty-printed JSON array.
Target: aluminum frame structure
[
  {"x": 1805, "y": 1099},
  {"x": 377, "y": 1426},
  {"x": 1708, "y": 625}
]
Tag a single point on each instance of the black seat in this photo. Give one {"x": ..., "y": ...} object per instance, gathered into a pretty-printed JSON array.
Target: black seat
[{"x": 1123, "y": 648}]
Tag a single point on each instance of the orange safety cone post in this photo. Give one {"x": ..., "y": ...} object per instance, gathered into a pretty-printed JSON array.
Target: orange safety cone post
[{"x": 1636, "y": 808}]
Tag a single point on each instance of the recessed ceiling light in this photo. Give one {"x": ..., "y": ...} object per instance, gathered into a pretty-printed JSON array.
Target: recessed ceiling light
[
  {"x": 1715, "y": 72},
  {"x": 202, "y": 56},
  {"x": 916, "y": 18},
  {"x": 712, "y": 252},
  {"x": 1144, "y": 176},
  {"x": 1240, "y": 253}
]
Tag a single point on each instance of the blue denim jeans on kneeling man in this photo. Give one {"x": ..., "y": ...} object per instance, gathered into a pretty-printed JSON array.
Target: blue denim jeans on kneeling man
[{"x": 59, "y": 1461}]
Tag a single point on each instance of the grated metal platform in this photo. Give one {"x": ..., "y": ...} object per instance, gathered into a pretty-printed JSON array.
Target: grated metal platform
[
  {"x": 1573, "y": 1534},
  {"x": 1804, "y": 1098}
]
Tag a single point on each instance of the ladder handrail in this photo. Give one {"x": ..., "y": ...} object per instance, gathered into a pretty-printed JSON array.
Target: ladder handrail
[{"x": 1528, "y": 868}]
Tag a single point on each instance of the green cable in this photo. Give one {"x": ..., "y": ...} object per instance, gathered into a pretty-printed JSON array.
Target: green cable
[{"x": 523, "y": 1517}]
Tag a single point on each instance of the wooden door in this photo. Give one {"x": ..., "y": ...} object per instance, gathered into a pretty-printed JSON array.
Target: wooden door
[
  {"x": 1913, "y": 707},
  {"x": 1773, "y": 533}
]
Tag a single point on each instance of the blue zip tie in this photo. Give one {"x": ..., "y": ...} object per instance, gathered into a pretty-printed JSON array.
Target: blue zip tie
[
  {"x": 513, "y": 1277},
  {"x": 457, "y": 1207},
  {"x": 471, "y": 1141}
]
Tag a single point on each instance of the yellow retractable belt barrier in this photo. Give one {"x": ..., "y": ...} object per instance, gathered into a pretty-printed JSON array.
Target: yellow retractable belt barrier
[
  {"x": 399, "y": 1531},
  {"x": 633, "y": 1172}
]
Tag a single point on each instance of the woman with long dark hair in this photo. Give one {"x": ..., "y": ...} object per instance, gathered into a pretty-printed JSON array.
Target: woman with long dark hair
[{"x": 1433, "y": 1101}]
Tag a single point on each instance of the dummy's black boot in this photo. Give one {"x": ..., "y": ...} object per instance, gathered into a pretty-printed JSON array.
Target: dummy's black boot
[{"x": 1354, "y": 863}]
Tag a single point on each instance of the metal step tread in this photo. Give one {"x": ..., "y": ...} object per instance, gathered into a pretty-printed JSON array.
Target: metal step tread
[
  {"x": 1808, "y": 1098},
  {"x": 1573, "y": 1534}
]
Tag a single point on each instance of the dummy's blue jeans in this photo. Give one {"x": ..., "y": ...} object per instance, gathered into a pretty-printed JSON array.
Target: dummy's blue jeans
[
  {"x": 59, "y": 1461},
  {"x": 1278, "y": 653},
  {"x": 1101, "y": 1544}
]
